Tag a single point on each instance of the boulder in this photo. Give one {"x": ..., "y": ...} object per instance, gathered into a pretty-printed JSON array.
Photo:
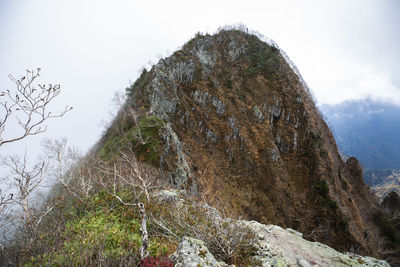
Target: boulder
[{"x": 192, "y": 252}]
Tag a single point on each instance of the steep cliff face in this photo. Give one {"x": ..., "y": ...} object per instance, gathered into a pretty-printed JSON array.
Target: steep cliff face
[{"x": 241, "y": 130}]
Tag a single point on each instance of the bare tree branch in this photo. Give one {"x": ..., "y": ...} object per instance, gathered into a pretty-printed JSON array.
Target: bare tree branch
[
  {"x": 140, "y": 178},
  {"x": 29, "y": 103},
  {"x": 70, "y": 167},
  {"x": 25, "y": 180}
]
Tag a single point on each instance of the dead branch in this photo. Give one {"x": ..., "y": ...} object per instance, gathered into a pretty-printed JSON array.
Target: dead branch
[
  {"x": 70, "y": 167},
  {"x": 127, "y": 172},
  {"x": 28, "y": 102}
]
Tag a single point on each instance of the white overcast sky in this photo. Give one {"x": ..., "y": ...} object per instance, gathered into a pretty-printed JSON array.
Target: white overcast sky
[{"x": 345, "y": 49}]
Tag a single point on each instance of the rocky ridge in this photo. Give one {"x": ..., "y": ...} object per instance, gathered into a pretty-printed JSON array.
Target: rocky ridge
[
  {"x": 275, "y": 246},
  {"x": 242, "y": 131},
  {"x": 272, "y": 246}
]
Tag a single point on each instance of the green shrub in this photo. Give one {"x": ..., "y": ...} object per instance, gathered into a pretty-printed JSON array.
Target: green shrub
[
  {"x": 344, "y": 183},
  {"x": 141, "y": 82},
  {"x": 229, "y": 83},
  {"x": 142, "y": 138},
  {"x": 262, "y": 57},
  {"x": 323, "y": 188},
  {"x": 116, "y": 237},
  {"x": 332, "y": 204},
  {"x": 386, "y": 228},
  {"x": 99, "y": 232},
  {"x": 323, "y": 153},
  {"x": 98, "y": 236},
  {"x": 226, "y": 240}
]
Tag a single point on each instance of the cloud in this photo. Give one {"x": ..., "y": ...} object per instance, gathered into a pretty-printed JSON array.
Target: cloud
[{"x": 336, "y": 82}]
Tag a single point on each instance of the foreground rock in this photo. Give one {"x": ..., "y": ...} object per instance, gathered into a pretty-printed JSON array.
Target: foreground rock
[
  {"x": 275, "y": 246},
  {"x": 192, "y": 252},
  {"x": 286, "y": 247}
]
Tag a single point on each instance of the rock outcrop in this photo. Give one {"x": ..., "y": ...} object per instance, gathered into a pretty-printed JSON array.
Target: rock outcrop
[
  {"x": 242, "y": 131},
  {"x": 192, "y": 252},
  {"x": 275, "y": 246},
  {"x": 271, "y": 245},
  {"x": 391, "y": 204},
  {"x": 286, "y": 247}
]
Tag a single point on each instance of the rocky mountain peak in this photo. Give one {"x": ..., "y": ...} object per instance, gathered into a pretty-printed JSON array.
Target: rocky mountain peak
[{"x": 239, "y": 129}]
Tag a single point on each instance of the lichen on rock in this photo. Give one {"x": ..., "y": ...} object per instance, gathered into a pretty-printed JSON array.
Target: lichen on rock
[
  {"x": 172, "y": 144},
  {"x": 192, "y": 252}
]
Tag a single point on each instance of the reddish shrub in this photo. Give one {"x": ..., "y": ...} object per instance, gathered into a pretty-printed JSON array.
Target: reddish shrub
[{"x": 156, "y": 262}]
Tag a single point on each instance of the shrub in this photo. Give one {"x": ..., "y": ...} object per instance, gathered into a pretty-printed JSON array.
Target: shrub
[
  {"x": 142, "y": 138},
  {"x": 226, "y": 239},
  {"x": 332, "y": 204},
  {"x": 139, "y": 83},
  {"x": 262, "y": 57},
  {"x": 98, "y": 232},
  {"x": 386, "y": 228},
  {"x": 344, "y": 184},
  {"x": 99, "y": 236},
  {"x": 323, "y": 188},
  {"x": 156, "y": 262},
  {"x": 323, "y": 153}
]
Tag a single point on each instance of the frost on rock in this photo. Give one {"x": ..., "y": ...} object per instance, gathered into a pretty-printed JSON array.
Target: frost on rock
[{"x": 207, "y": 61}]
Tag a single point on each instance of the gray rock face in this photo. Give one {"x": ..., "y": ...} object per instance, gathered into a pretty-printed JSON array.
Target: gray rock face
[
  {"x": 219, "y": 105},
  {"x": 274, "y": 246},
  {"x": 192, "y": 252},
  {"x": 173, "y": 143},
  {"x": 169, "y": 196},
  {"x": 286, "y": 247},
  {"x": 258, "y": 114}
]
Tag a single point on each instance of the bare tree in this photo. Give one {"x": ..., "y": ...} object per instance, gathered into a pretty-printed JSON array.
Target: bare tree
[
  {"x": 5, "y": 199},
  {"x": 225, "y": 237},
  {"x": 25, "y": 180},
  {"x": 27, "y": 107},
  {"x": 28, "y": 103},
  {"x": 69, "y": 166},
  {"x": 139, "y": 178}
]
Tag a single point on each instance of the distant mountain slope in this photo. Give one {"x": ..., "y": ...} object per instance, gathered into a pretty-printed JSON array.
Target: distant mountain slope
[
  {"x": 383, "y": 182},
  {"x": 368, "y": 130}
]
